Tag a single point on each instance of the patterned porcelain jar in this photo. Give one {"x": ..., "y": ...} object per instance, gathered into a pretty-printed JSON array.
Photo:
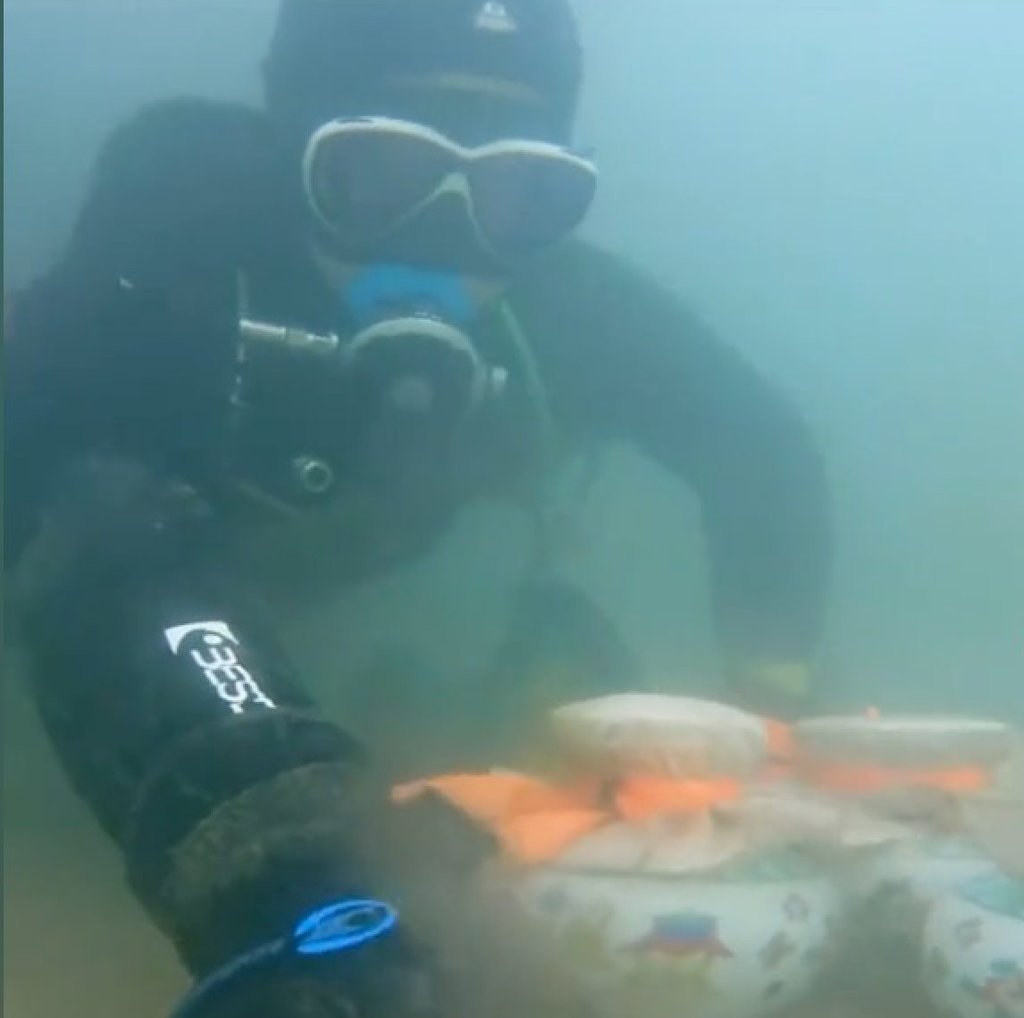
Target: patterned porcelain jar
[
  {"x": 682, "y": 917},
  {"x": 907, "y": 770},
  {"x": 742, "y": 941},
  {"x": 973, "y": 949}
]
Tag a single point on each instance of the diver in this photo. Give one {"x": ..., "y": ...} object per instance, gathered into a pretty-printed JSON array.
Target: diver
[{"x": 280, "y": 351}]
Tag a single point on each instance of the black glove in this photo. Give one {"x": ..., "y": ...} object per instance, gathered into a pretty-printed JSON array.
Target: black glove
[{"x": 300, "y": 843}]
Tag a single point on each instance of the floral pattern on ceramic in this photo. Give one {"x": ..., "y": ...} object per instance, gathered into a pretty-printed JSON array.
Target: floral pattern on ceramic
[
  {"x": 973, "y": 950},
  {"x": 742, "y": 942}
]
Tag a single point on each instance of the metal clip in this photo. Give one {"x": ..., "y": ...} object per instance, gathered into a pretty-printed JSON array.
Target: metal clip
[{"x": 288, "y": 338}]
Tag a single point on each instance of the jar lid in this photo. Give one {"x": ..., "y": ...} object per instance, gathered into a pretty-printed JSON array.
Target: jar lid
[
  {"x": 652, "y": 733},
  {"x": 911, "y": 742}
]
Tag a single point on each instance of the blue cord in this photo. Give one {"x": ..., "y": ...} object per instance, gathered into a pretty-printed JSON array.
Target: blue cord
[{"x": 340, "y": 926}]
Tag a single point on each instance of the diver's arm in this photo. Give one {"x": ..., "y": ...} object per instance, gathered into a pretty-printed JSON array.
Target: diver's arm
[
  {"x": 235, "y": 806},
  {"x": 238, "y": 810},
  {"x": 172, "y": 709},
  {"x": 626, "y": 361}
]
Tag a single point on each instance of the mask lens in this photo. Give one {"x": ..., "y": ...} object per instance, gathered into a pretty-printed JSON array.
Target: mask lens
[
  {"x": 363, "y": 181},
  {"x": 526, "y": 201}
]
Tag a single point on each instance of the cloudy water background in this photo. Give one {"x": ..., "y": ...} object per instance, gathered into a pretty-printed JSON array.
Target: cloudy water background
[{"x": 835, "y": 186}]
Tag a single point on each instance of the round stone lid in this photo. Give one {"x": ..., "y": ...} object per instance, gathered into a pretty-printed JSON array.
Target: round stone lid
[
  {"x": 912, "y": 742},
  {"x": 675, "y": 736}
]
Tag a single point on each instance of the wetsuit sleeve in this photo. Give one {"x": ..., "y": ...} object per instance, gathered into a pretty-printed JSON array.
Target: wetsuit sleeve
[
  {"x": 625, "y": 361},
  {"x": 177, "y": 717}
]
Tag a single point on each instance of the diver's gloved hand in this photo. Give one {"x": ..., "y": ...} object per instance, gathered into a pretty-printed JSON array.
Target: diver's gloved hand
[
  {"x": 778, "y": 689},
  {"x": 308, "y": 837},
  {"x": 418, "y": 858}
]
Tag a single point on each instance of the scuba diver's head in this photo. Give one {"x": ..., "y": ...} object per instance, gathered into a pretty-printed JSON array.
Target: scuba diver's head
[
  {"x": 432, "y": 132},
  {"x": 474, "y": 69},
  {"x": 429, "y": 141}
]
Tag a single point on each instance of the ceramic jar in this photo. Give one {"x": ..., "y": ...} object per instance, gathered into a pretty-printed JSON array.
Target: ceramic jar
[
  {"x": 973, "y": 949},
  {"x": 884, "y": 764},
  {"x": 679, "y": 917},
  {"x": 743, "y": 941},
  {"x": 904, "y": 770}
]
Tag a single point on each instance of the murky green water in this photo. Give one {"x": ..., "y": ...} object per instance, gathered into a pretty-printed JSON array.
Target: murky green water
[{"x": 835, "y": 186}]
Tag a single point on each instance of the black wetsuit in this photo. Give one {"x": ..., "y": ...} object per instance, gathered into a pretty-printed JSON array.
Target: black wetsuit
[{"x": 119, "y": 367}]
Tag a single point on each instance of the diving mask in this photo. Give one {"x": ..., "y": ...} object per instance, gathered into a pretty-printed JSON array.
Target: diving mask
[{"x": 367, "y": 178}]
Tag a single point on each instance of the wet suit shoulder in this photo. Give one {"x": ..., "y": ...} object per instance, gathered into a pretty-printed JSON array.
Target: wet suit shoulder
[
  {"x": 623, "y": 359},
  {"x": 124, "y": 346}
]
